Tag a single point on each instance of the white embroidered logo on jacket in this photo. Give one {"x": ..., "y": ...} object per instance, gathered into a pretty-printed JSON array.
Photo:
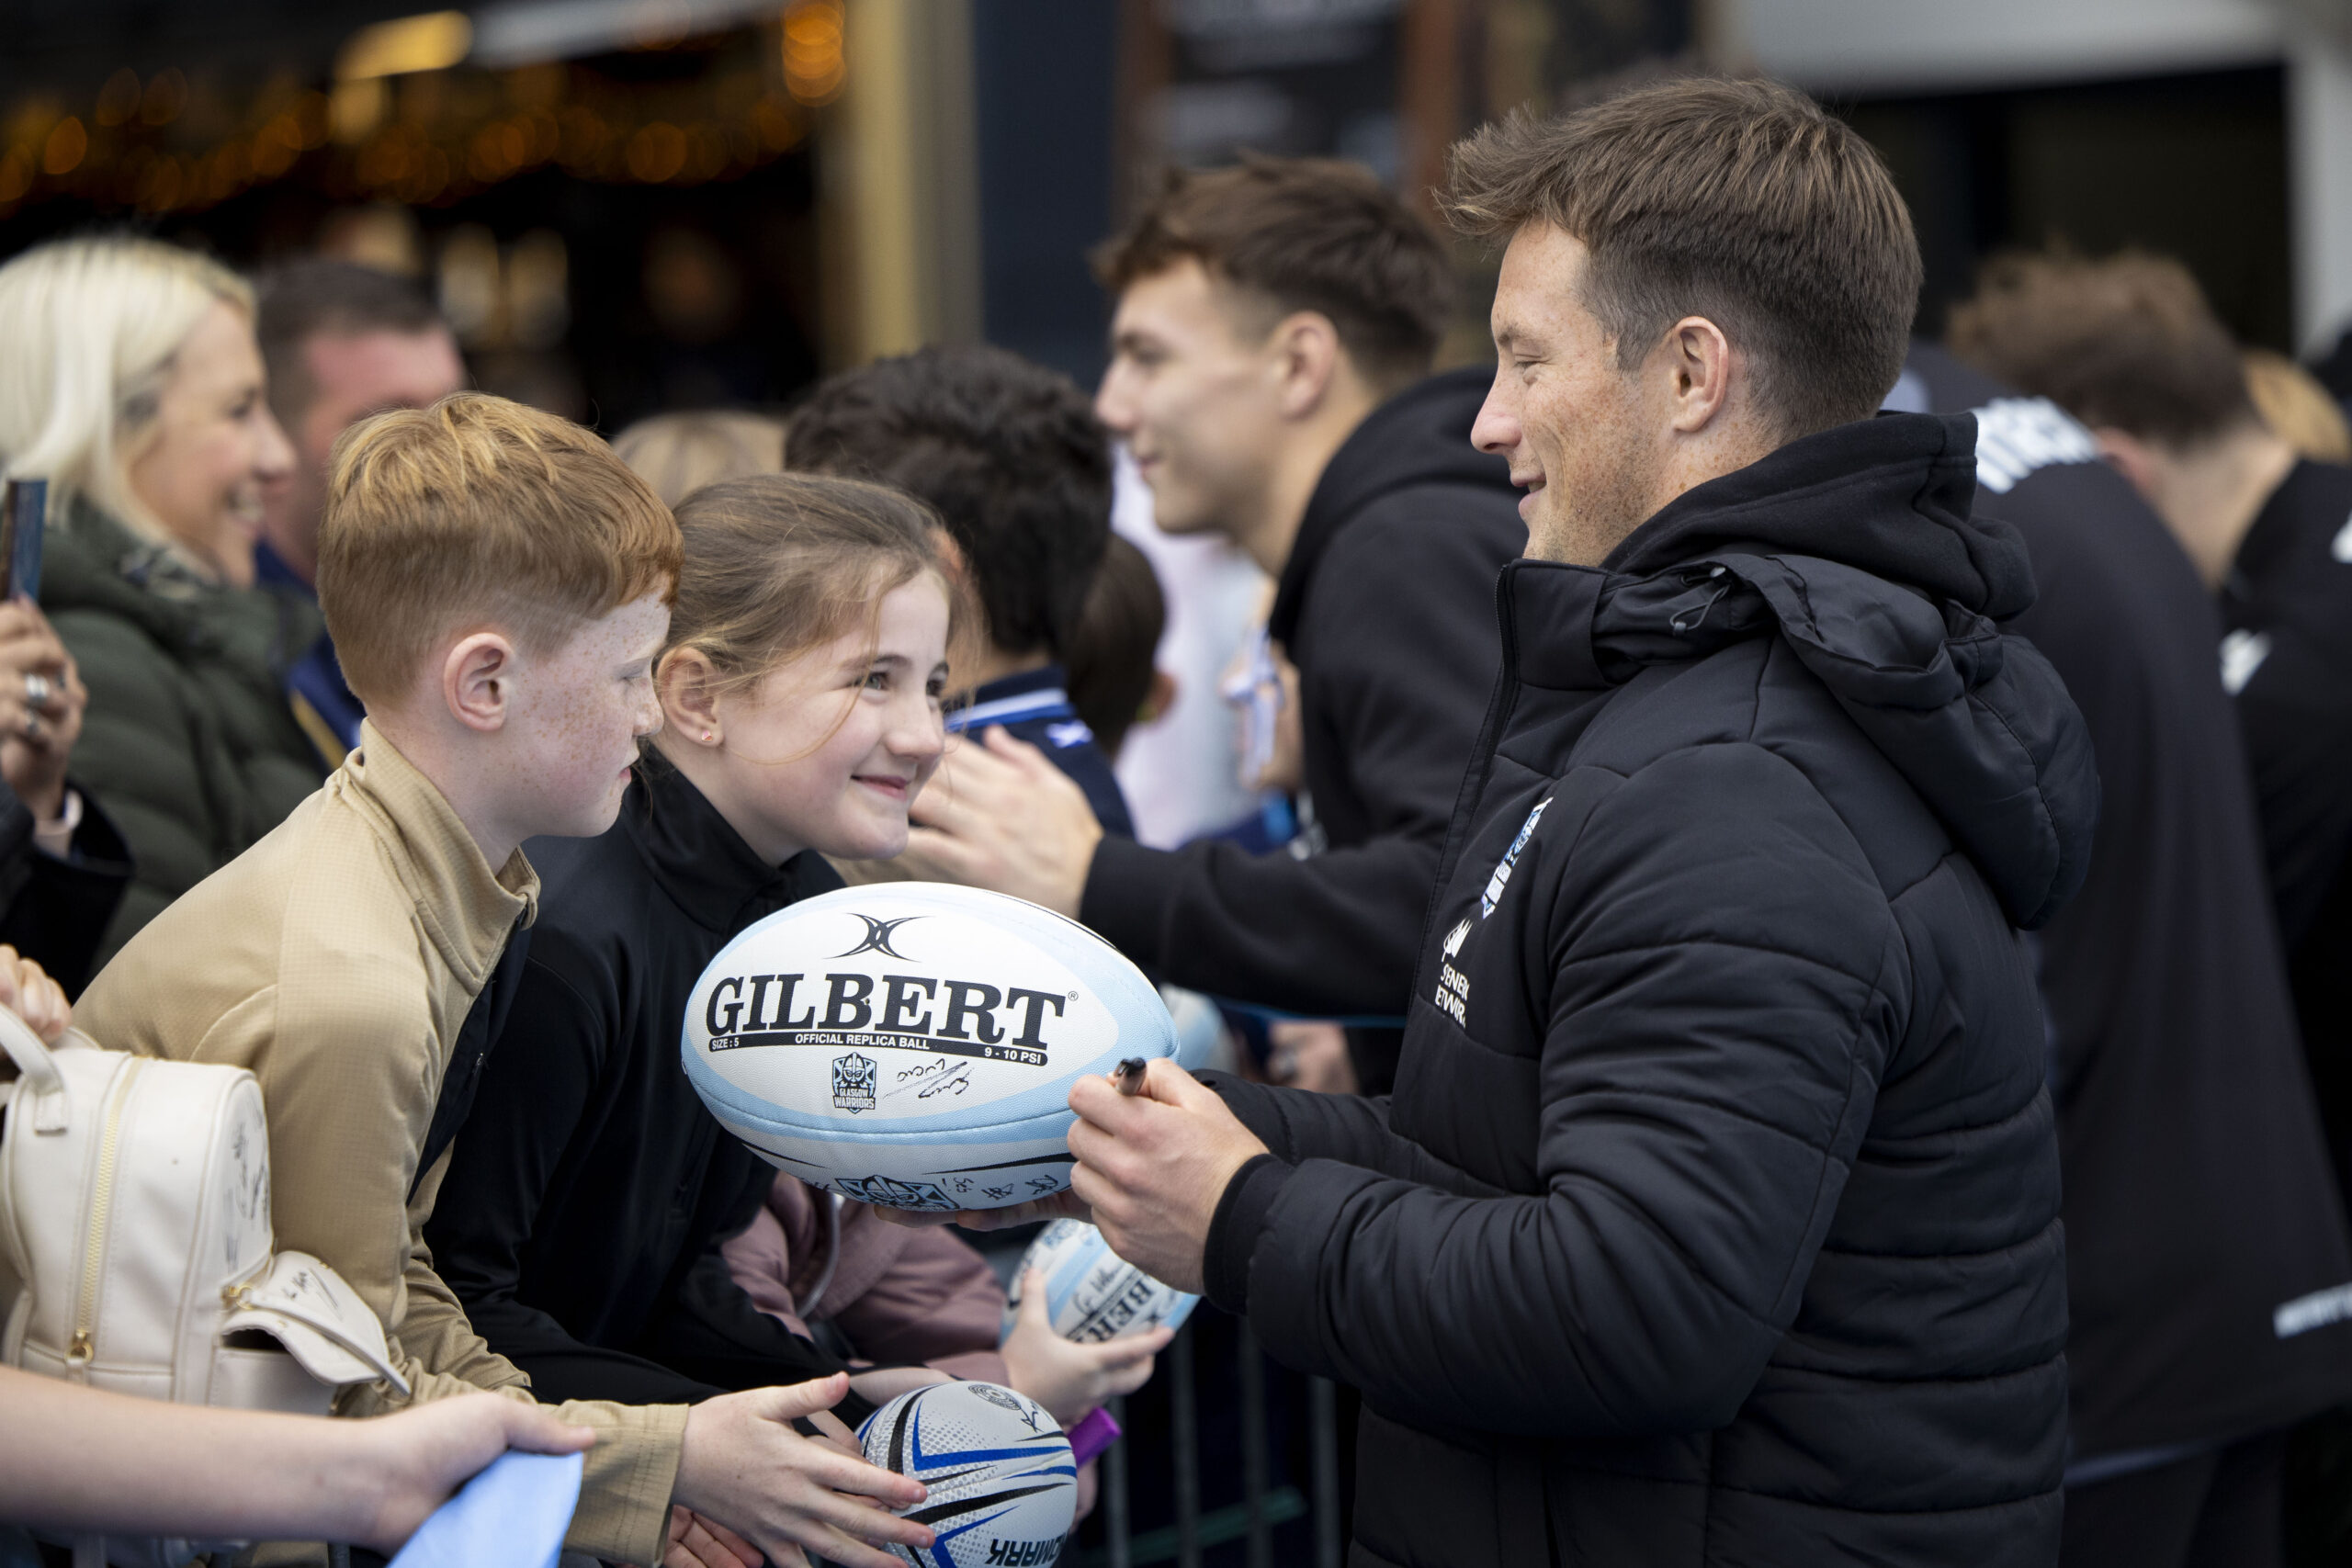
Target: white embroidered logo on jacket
[
  {"x": 1494, "y": 884},
  {"x": 1454, "y": 937}
]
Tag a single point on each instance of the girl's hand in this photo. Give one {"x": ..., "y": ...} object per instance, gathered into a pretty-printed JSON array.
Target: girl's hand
[
  {"x": 743, "y": 1464},
  {"x": 1066, "y": 1378},
  {"x": 697, "y": 1543},
  {"x": 1062, "y": 1206}
]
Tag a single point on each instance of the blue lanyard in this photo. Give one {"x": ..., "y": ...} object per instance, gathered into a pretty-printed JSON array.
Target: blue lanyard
[{"x": 1052, "y": 703}]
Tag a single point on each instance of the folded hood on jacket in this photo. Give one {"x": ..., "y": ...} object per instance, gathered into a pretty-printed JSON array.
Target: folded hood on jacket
[{"x": 1858, "y": 547}]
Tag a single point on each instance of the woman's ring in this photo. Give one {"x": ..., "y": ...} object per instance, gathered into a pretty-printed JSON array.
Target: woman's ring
[{"x": 37, "y": 689}]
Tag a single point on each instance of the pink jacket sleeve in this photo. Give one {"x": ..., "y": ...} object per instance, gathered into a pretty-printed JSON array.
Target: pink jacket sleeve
[{"x": 899, "y": 1295}]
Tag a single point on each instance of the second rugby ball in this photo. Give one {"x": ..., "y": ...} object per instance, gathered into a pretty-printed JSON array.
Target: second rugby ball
[{"x": 1091, "y": 1292}]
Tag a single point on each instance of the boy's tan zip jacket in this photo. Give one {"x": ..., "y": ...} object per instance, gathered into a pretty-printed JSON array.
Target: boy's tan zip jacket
[{"x": 337, "y": 960}]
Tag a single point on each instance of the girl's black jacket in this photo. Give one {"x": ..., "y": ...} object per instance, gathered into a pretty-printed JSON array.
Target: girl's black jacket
[{"x": 585, "y": 1203}]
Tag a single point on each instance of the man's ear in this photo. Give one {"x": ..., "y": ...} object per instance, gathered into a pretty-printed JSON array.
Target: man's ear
[
  {"x": 686, "y": 683},
  {"x": 1698, "y": 364},
  {"x": 477, "y": 680},
  {"x": 2132, "y": 457},
  {"x": 1307, "y": 360}
]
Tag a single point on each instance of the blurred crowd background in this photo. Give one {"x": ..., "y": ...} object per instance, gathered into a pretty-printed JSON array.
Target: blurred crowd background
[{"x": 625, "y": 207}]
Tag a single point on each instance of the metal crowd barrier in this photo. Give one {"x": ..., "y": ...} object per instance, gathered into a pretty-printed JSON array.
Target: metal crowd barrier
[{"x": 1267, "y": 1404}]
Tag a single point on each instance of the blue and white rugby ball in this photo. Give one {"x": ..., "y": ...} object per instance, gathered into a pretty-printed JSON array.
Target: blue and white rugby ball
[
  {"x": 913, "y": 1045},
  {"x": 1092, "y": 1293},
  {"x": 1003, "y": 1489}
]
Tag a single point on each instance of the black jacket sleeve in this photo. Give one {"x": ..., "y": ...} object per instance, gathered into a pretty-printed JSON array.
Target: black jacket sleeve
[
  {"x": 706, "y": 1339},
  {"x": 543, "y": 1077},
  {"x": 708, "y": 1329},
  {"x": 1397, "y": 650},
  {"x": 1326, "y": 937},
  {"x": 55, "y": 911},
  {"x": 1297, "y": 1125},
  {"x": 1718, "y": 1011}
]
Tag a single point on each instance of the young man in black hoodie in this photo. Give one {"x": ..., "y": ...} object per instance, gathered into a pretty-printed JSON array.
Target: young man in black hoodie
[
  {"x": 1714, "y": 1219},
  {"x": 1270, "y": 371}
]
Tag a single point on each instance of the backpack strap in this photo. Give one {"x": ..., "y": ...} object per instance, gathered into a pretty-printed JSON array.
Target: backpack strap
[
  {"x": 484, "y": 1022},
  {"x": 38, "y": 1076},
  {"x": 319, "y": 1319}
]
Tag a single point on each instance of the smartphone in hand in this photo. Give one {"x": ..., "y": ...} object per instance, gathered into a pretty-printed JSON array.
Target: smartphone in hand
[{"x": 23, "y": 505}]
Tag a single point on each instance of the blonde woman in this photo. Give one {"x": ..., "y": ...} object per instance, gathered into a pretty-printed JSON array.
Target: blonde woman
[
  {"x": 2298, "y": 409},
  {"x": 132, "y": 383},
  {"x": 677, "y": 454}
]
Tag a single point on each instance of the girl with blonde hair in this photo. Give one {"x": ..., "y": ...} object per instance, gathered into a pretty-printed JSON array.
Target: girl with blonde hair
[{"x": 133, "y": 385}]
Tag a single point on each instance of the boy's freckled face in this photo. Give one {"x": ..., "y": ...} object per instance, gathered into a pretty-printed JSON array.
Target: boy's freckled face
[{"x": 579, "y": 714}]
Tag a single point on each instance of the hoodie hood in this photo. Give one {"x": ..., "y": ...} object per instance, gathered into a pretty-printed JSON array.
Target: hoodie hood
[
  {"x": 1857, "y": 546},
  {"x": 1421, "y": 436}
]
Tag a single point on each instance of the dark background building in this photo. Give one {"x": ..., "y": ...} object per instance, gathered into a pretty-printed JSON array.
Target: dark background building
[{"x": 735, "y": 195}]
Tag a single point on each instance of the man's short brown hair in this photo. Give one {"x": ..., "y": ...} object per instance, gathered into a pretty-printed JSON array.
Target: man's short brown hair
[
  {"x": 1304, "y": 234},
  {"x": 1741, "y": 201},
  {"x": 2127, "y": 341},
  {"x": 479, "y": 512}
]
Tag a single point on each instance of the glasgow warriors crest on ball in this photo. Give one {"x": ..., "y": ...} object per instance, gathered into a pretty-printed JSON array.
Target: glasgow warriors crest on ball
[{"x": 852, "y": 1082}]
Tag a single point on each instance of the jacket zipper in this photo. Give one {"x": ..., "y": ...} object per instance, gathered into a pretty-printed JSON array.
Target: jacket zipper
[{"x": 84, "y": 1348}]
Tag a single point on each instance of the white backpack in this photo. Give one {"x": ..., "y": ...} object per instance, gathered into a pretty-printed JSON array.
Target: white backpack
[{"x": 135, "y": 1249}]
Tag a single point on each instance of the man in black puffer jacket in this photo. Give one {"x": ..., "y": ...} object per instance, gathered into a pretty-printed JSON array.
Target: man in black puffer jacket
[{"x": 1714, "y": 1219}]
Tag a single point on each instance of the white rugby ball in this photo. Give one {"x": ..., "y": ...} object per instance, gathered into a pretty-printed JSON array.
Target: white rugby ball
[
  {"x": 1091, "y": 1292},
  {"x": 1004, "y": 1488},
  {"x": 913, "y": 1045},
  {"x": 1199, "y": 1029}
]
